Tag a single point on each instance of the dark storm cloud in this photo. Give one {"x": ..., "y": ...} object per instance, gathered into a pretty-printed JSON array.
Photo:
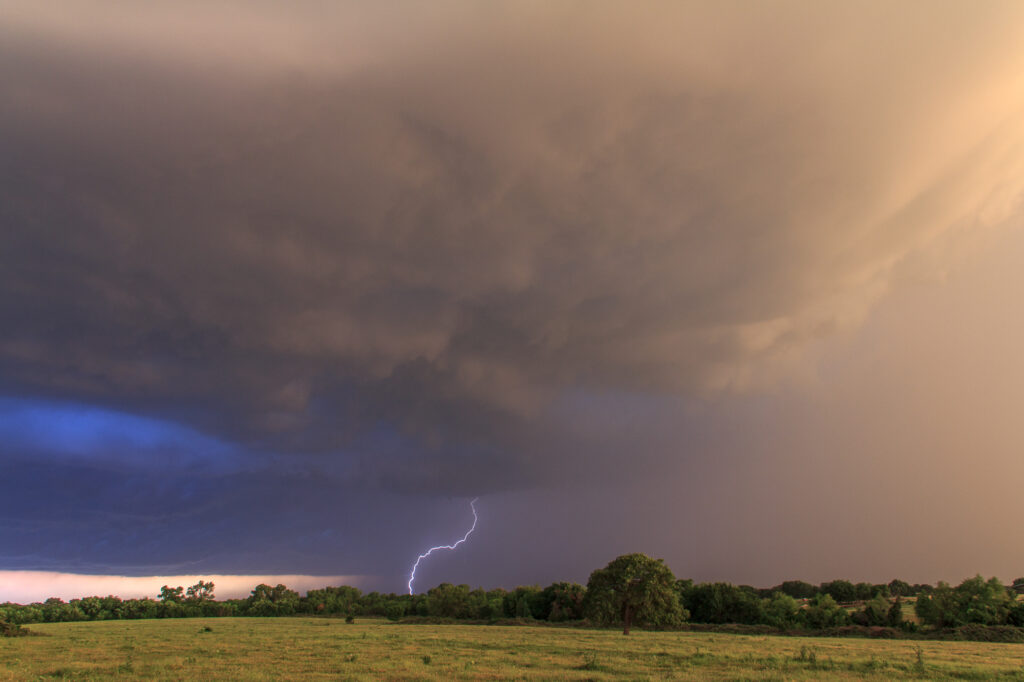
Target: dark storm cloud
[
  {"x": 76, "y": 517},
  {"x": 412, "y": 247}
]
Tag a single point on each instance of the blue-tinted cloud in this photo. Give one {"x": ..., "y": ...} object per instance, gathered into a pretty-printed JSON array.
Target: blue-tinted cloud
[{"x": 63, "y": 430}]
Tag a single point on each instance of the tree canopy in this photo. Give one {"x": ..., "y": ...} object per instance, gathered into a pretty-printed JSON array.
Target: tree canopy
[{"x": 634, "y": 588}]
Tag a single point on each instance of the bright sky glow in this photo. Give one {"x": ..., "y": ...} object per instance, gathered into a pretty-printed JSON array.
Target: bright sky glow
[{"x": 25, "y": 587}]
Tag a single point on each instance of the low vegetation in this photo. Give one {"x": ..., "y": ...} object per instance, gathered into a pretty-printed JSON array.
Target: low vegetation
[{"x": 12, "y": 630}]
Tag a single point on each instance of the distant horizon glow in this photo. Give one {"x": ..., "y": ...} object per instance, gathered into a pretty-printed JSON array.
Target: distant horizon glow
[{"x": 27, "y": 587}]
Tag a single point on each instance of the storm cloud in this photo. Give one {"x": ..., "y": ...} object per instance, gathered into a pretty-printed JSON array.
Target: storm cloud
[{"x": 461, "y": 248}]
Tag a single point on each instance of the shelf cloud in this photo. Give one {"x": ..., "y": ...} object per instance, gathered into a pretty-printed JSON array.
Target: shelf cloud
[{"x": 435, "y": 249}]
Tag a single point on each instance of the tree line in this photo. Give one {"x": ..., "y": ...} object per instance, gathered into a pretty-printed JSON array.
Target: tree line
[{"x": 633, "y": 589}]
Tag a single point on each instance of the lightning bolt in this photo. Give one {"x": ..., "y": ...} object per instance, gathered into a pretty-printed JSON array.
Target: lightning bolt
[{"x": 421, "y": 557}]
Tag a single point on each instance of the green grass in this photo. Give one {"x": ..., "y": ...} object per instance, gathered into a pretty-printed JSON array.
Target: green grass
[{"x": 310, "y": 648}]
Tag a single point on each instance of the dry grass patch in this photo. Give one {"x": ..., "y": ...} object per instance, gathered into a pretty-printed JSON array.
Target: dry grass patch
[{"x": 311, "y": 648}]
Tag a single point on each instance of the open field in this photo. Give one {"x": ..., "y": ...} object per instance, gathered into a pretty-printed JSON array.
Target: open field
[{"x": 294, "y": 648}]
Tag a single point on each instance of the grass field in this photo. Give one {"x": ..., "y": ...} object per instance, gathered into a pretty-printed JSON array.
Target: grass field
[{"x": 304, "y": 648}]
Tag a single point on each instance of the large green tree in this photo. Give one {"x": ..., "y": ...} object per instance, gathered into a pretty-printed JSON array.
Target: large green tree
[{"x": 633, "y": 588}]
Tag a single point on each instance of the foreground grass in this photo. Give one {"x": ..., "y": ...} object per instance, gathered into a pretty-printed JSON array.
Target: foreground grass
[{"x": 302, "y": 648}]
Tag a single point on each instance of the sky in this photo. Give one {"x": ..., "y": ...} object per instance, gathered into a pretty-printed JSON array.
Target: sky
[{"x": 284, "y": 287}]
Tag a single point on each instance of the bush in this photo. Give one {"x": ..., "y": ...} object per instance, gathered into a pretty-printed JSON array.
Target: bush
[
  {"x": 883, "y": 633},
  {"x": 895, "y": 615},
  {"x": 782, "y": 611},
  {"x": 876, "y": 612},
  {"x": 989, "y": 633},
  {"x": 723, "y": 603},
  {"x": 1015, "y": 616},
  {"x": 824, "y": 612},
  {"x": 12, "y": 630}
]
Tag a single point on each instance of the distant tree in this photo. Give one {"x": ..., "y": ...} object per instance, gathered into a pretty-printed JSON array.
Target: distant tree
[
  {"x": 782, "y": 611},
  {"x": 526, "y": 601},
  {"x": 895, "y": 615},
  {"x": 840, "y": 590},
  {"x": 139, "y": 608},
  {"x": 1015, "y": 614},
  {"x": 200, "y": 592},
  {"x": 563, "y": 601},
  {"x": 92, "y": 607},
  {"x": 477, "y": 604},
  {"x": 262, "y": 592},
  {"x": 864, "y": 591},
  {"x": 983, "y": 601},
  {"x": 936, "y": 608},
  {"x": 394, "y": 610},
  {"x": 798, "y": 589},
  {"x": 875, "y": 612},
  {"x": 333, "y": 600},
  {"x": 272, "y": 601},
  {"x": 495, "y": 604},
  {"x": 373, "y": 603},
  {"x": 823, "y": 612},
  {"x": 975, "y": 600},
  {"x": 173, "y": 595},
  {"x": 449, "y": 601},
  {"x": 633, "y": 588},
  {"x": 900, "y": 588},
  {"x": 54, "y": 610},
  {"x": 723, "y": 603}
]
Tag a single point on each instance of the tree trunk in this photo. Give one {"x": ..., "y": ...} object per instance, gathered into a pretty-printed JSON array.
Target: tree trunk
[{"x": 627, "y": 616}]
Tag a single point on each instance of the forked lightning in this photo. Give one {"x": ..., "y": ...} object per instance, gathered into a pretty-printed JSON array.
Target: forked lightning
[{"x": 421, "y": 557}]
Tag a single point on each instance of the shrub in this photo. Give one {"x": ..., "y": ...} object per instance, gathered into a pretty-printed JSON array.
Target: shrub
[
  {"x": 989, "y": 633},
  {"x": 12, "y": 630},
  {"x": 1015, "y": 616},
  {"x": 824, "y": 612}
]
